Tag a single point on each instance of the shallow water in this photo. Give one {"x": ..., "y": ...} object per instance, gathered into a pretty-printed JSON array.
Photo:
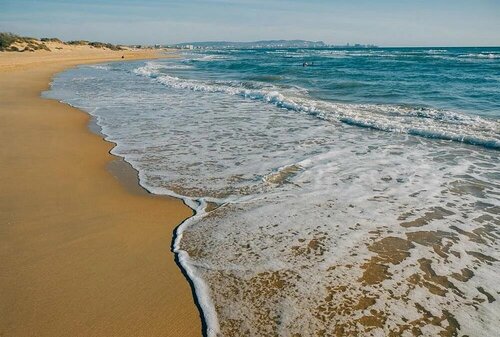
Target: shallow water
[{"x": 359, "y": 196}]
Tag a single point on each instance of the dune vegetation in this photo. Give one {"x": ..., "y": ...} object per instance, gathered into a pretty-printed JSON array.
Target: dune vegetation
[{"x": 16, "y": 43}]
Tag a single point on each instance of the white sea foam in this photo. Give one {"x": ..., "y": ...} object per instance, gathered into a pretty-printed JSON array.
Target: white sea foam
[
  {"x": 100, "y": 66},
  {"x": 484, "y": 55},
  {"x": 301, "y": 204},
  {"x": 206, "y": 58},
  {"x": 437, "y": 51},
  {"x": 426, "y": 122}
]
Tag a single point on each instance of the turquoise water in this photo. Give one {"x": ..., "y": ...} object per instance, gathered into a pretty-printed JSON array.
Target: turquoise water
[
  {"x": 427, "y": 92},
  {"x": 457, "y": 79},
  {"x": 357, "y": 195}
]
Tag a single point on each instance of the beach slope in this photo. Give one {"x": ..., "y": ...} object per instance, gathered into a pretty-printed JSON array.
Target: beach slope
[{"x": 81, "y": 254}]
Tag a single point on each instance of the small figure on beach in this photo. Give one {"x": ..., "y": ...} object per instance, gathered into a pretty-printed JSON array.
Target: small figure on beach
[{"x": 123, "y": 56}]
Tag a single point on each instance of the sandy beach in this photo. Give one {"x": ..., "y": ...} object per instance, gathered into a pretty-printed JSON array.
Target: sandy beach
[{"x": 84, "y": 251}]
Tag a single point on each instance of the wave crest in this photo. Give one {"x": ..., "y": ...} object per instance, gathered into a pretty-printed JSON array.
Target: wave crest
[{"x": 418, "y": 121}]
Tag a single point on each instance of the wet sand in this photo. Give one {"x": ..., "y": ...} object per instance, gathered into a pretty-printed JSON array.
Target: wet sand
[{"x": 81, "y": 252}]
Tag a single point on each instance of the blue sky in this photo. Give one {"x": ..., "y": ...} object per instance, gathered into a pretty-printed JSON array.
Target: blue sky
[{"x": 382, "y": 22}]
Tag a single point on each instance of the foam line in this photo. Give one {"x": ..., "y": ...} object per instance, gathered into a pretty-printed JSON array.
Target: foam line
[{"x": 424, "y": 122}]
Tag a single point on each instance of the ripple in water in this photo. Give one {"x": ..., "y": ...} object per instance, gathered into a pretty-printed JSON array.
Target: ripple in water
[{"x": 315, "y": 228}]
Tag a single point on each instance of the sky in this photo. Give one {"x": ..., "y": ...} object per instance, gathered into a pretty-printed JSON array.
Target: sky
[{"x": 380, "y": 22}]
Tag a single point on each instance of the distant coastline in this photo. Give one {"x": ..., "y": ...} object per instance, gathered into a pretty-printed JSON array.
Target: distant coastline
[{"x": 265, "y": 44}]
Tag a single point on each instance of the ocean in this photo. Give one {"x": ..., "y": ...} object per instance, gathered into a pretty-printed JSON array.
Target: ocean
[{"x": 338, "y": 192}]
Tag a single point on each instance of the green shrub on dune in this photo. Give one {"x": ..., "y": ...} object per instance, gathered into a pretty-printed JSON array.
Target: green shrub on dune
[
  {"x": 105, "y": 45},
  {"x": 94, "y": 44},
  {"x": 78, "y": 43},
  {"x": 50, "y": 39},
  {"x": 8, "y": 39}
]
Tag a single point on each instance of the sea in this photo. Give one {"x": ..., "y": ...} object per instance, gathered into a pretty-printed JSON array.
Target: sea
[{"x": 337, "y": 192}]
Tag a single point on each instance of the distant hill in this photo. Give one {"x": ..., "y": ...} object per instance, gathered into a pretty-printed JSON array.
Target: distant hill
[{"x": 255, "y": 44}]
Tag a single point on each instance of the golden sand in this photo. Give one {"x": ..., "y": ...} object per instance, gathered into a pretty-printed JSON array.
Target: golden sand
[{"x": 81, "y": 254}]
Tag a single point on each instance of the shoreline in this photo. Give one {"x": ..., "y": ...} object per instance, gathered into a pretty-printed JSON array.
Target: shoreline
[
  {"x": 129, "y": 177},
  {"x": 86, "y": 252}
]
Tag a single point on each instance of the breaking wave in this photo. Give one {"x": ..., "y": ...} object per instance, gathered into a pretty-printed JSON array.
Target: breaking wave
[{"x": 418, "y": 121}]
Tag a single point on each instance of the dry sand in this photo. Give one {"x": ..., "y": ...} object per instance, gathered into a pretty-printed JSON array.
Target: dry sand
[{"x": 81, "y": 254}]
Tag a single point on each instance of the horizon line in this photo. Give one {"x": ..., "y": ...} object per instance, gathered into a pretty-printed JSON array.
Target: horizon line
[{"x": 276, "y": 39}]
